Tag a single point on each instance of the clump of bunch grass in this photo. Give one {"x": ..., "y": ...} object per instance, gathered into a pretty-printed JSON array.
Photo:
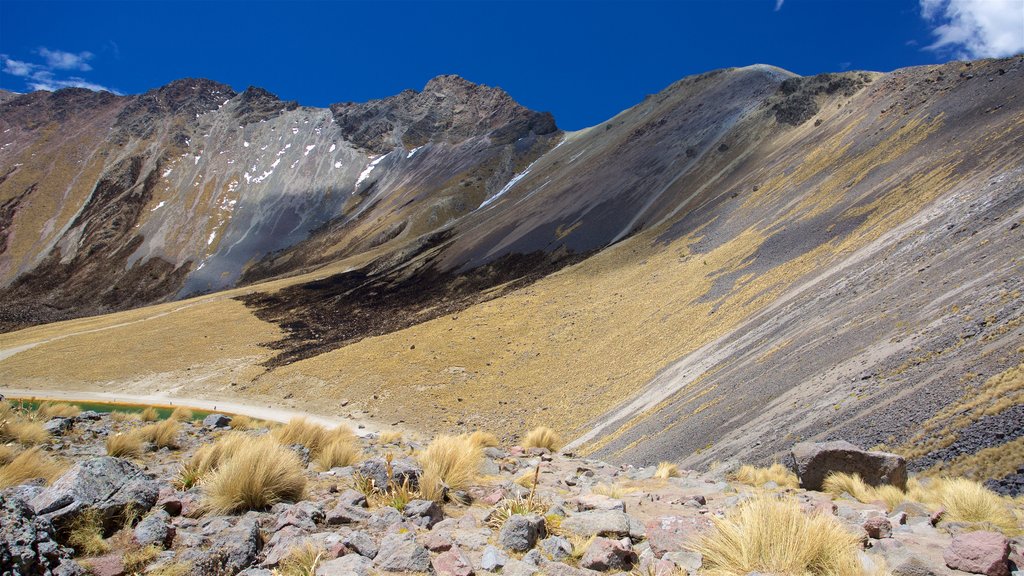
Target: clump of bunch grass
[
  {"x": 615, "y": 490},
  {"x": 243, "y": 422},
  {"x": 543, "y": 437},
  {"x": 16, "y": 428},
  {"x": 512, "y": 506},
  {"x": 389, "y": 437},
  {"x": 342, "y": 451},
  {"x": 311, "y": 435},
  {"x": 207, "y": 458},
  {"x": 257, "y": 474},
  {"x": 301, "y": 560},
  {"x": 85, "y": 534},
  {"x": 838, "y": 483},
  {"x": 965, "y": 500},
  {"x": 451, "y": 461},
  {"x": 162, "y": 435},
  {"x": 181, "y": 414},
  {"x": 149, "y": 414},
  {"x": 484, "y": 439},
  {"x": 666, "y": 470},
  {"x": 774, "y": 536},
  {"x": 119, "y": 416},
  {"x": 29, "y": 465},
  {"x": 171, "y": 569},
  {"x": 124, "y": 445},
  {"x": 48, "y": 409},
  {"x": 136, "y": 560},
  {"x": 7, "y": 453},
  {"x": 777, "y": 473}
]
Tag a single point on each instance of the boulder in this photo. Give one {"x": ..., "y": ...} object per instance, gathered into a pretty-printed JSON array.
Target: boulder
[
  {"x": 453, "y": 563},
  {"x": 108, "y": 485},
  {"x": 214, "y": 421},
  {"x": 598, "y": 523},
  {"x": 230, "y": 551},
  {"x": 979, "y": 553},
  {"x": 520, "y": 532},
  {"x": 493, "y": 559},
  {"x": 607, "y": 554},
  {"x": 26, "y": 541},
  {"x": 670, "y": 533},
  {"x": 401, "y": 553},
  {"x": 59, "y": 426},
  {"x": 402, "y": 469},
  {"x": 878, "y": 527},
  {"x": 346, "y": 514},
  {"x": 599, "y": 502},
  {"x": 155, "y": 529},
  {"x": 348, "y": 565},
  {"x": 361, "y": 543},
  {"x": 813, "y": 462},
  {"x": 556, "y": 548},
  {"x": 423, "y": 513}
]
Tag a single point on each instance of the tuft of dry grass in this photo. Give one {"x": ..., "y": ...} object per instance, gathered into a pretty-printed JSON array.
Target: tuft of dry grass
[
  {"x": 85, "y": 534},
  {"x": 26, "y": 432},
  {"x": 243, "y": 422},
  {"x": 513, "y": 506},
  {"x": 118, "y": 416},
  {"x": 28, "y": 465},
  {"x": 666, "y": 470},
  {"x": 181, "y": 414},
  {"x": 968, "y": 501},
  {"x": 451, "y": 461},
  {"x": 207, "y": 458},
  {"x": 301, "y": 560},
  {"x": 774, "y": 536},
  {"x": 312, "y": 436},
  {"x": 484, "y": 439},
  {"x": 543, "y": 437},
  {"x": 258, "y": 474},
  {"x": 124, "y": 445},
  {"x": 339, "y": 452},
  {"x": 171, "y": 569},
  {"x": 149, "y": 414},
  {"x": 837, "y": 483},
  {"x": 7, "y": 453},
  {"x": 163, "y": 434},
  {"x": 389, "y": 437},
  {"x": 755, "y": 476},
  {"x": 616, "y": 491},
  {"x": 47, "y": 410},
  {"x": 136, "y": 560}
]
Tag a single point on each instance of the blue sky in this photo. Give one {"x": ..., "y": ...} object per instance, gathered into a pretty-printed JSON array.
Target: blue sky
[{"x": 583, "y": 61}]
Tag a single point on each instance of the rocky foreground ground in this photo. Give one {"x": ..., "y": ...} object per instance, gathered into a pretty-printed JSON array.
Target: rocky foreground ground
[{"x": 525, "y": 512}]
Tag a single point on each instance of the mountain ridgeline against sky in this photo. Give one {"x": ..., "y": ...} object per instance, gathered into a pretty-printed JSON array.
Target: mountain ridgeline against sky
[{"x": 744, "y": 259}]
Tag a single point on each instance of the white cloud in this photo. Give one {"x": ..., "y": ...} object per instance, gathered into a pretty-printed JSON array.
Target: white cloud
[
  {"x": 778, "y": 5},
  {"x": 976, "y": 28},
  {"x": 60, "y": 60},
  {"x": 49, "y": 74}
]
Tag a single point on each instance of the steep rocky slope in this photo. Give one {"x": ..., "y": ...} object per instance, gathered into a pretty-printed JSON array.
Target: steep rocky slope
[{"x": 742, "y": 260}]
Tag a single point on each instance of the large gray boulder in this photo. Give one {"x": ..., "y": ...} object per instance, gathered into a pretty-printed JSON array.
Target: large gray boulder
[
  {"x": 26, "y": 541},
  {"x": 402, "y": 469},
  {"x": 401, "y": 553},
  {"x": 612, "y": 523},
  {"x": 520, "y": 532},
  {"x": 814, "y": 461},
  {"x": 109, "y": 485},
  {"x": 230, "y": 551}
]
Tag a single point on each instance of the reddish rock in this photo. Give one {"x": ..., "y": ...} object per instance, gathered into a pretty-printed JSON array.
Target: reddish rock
[
  {"x": 107, "y": 565},
  {"x": 936, "y": 516},
  {"x": 607, "y": 554},
  {"x": 170, "y": 500},
  {"x": 452, "y": 563},
  {"x": 671, "y": 533},
  {"x": 438, "y": 541},
  {"x": 878, "y": 527},
  {"x": 979, "y": 553}
]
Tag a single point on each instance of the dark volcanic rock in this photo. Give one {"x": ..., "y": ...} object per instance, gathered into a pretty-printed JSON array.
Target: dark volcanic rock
[
  {"x": 813, "y": 462},
  {"x": 256, "y": 104},
  {"x": 107, "y": 484},
  {"x": 26, "y": 540}
]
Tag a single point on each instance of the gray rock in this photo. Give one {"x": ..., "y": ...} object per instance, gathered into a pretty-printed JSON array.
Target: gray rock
[
  {"x": 452, "y": 562},
  {"x": 348, "y": 565},
  {"x": 304, "y": 515},
  {"x": 495, "y": 453},
  {"x": 384, "y": 518},
  {"x": 519, "y": 568},
  {"x": 813, "y": 462},
  {"x": 346, "y": 514},
  {"x": 352, "y": 498},
  {"x": 606, "y": 554},
  {"x": 216, "y": 421},
  {"x": 493, "y": 559},
  {"x": 230, "y": 552},
  {"x": 108, "y": 485},
  {"x": 88, "y": 416},
  {"x": 559, "y": 569},
  {"x": 520, "y": 532},
  {"x": 26, "y": 541},
  {"x": 423, "y": 513},
  {"x": 671, "y": 533},
  {"x": 155, "y": 529},
  {"x": 688, "y": 561},
  {"x": 401, "y": 553},
  {"x": 59, "y": 426},
  {"x": 402, "y": 469},
  {"x": 556, "y": 548},
  {"x": 598, "y": 523},
  {"x": 361, "y": 543},
  {"x": 255, "y": 572}
]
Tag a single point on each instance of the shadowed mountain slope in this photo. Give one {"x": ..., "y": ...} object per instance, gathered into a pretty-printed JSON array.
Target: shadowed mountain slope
[{"x": 742, "y": 260}]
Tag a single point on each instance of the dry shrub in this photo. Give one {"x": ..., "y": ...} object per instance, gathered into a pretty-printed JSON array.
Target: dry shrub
[
  {"x": 207, "y": 458},
  {"x": 484, "y": 439},
  {"x": 258, "y": 474},
  {"x": 543, "y": 437},
  {"x": 509, "y": 507},
  {"x": 389, "y": 437},
  {"x": 171, "y": 569},
  {"x": 124, "y": 445},
  {"x": 243, "y": 422},
  {"x": 30, "y": 464},
  {"x": 301, "y": 560},
  {"x": 774, "y": 536},
  {"x": 118, "y": 416},
  {"x": 451, "y": 461},
  {"x": 312, "y": 436},
  {"x": 968, "y": 501},
  {"x": 181, "y": 414},
  {"x": 149, "y": 414},
  {"x": 137, "y": 559},
  {"x": 666, "y": 470},
  {"x": 339, "y": 452},
  {"x": 777, "y": 473},
  {"x": 162, "y": 435},
  {"x": 85, "y": 534},
  {"x": 616, "y": 491},
  {"x": 27, "y": 432},
  {"x": 7, "y": 453},
  {"x": 49, "y": 410},
  {"x": 837, "y": 483}
]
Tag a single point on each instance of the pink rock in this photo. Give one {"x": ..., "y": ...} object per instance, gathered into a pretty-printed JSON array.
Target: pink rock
[
  {"x": 607, "y": 554},
  {"x": 438, "y": 541},
  {"x": 107, "y": 565},
  {"x": 936, "y": 516},
  {"x": 979, "y": 553},
  {"x": 494, "y": 497},
  {"x": 672, "y": 533},
  {"x": 170, "y": 500},
  {"x": 878, "y": 527},
  {"x": 452, "y": 563}
]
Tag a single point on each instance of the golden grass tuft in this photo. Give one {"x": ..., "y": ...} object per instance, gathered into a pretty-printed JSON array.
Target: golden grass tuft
[
  {"x": 968, "y": 501},
  {"x": 162, "y": 435},
  {"x": 171, "y": 569},
  {"x": 27, "y": 432},
  {"x": 339, "y": 452},
  {"x": 124, "y": 445},
  {"x": 119, "y": 416},
  {"x": 666, "y": 470},
  {"x": 837, "y": 483},
  {"x": 85, "y": 534},
  {"x": 513, "y": 506},
  {"x": 484, "y": 439},
  {"x": 389, "y": 437},
  {"x": 243, "y": 422},
  {"x": 137, "y": 559},
  {"x": 543, "y": 437},
  {"x": 28, "y": 465},
  {"x": 755, "y": 476},
  {"x": 301, "y": 560},
  {"x": 47, "y": 410},
  {"x": 207, "y": 458},
  {"x": 257, "y": 474},
  {"x": 774, "y": 536},
  {"x": 311, "y": 435},
  {"x": 616, "y": 491},
  {"x": 181, "y": 414},
  {"x": 149, "y": 414},
  {"x": 451, "y": 461},
  {"x": 7, "y": 453}
]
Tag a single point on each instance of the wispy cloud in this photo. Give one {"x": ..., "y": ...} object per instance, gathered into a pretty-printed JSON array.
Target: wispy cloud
[
  {"x": 51, "y": 70},
  {"x": 976, "y": 28},
  {"x": 778, "y": 5}
]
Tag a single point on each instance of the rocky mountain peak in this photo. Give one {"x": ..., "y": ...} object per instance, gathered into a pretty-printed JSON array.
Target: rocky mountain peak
[
  {"x": 255, "y": 104},
  {"x": 186, "y": 97}
]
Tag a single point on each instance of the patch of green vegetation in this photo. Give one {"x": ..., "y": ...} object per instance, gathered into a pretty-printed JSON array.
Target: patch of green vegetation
[{"x": 104, "y": 407}]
